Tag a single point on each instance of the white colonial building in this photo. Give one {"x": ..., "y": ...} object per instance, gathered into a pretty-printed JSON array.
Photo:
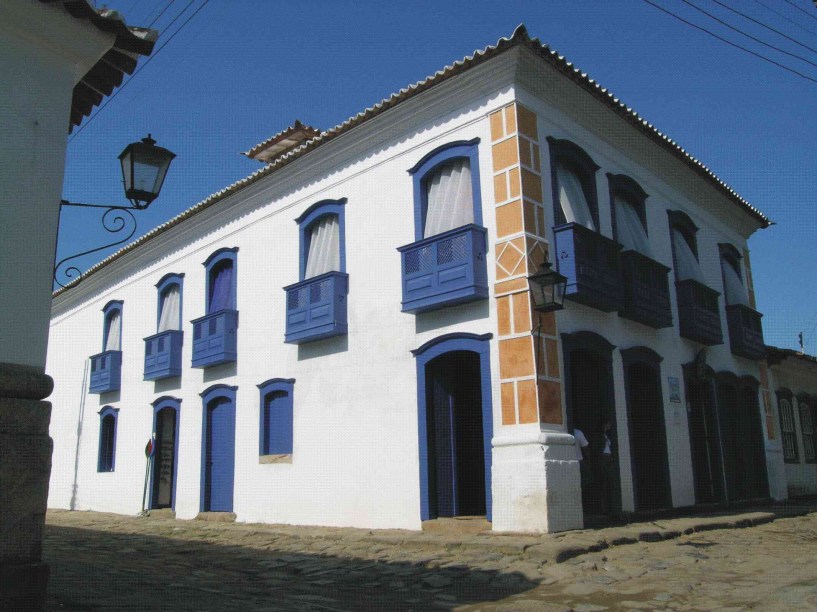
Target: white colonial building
[{"x": 346, "y": 336}]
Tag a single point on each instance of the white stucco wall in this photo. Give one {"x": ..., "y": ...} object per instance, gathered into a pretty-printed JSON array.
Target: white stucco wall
[{"x": 43, "y": 54}]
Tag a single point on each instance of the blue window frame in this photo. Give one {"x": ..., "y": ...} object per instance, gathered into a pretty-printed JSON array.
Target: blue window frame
[
  {"x": 106, "y": 367},
  {"x": 218, "y": 449},
  {"x": 163, "y": 350},
  {"x": 165, "y": 464},
  {"x": 221, "y": 280},
  {"x": 644, "y": 281},
  {"x": 425, "y": 169},
  {"x": 313, "y": 216},
  {"x": 215, "y": 334},
  {"x": 107, "y": 439},
  {"x": 452, "y": 344},
  {"x": 316, "y": 305},
  {"x": 276, "y": 416},
  {"x": 169, "y": 291},
  {"x": 446, "y": 263},
  {"x": 575, "y": 161},
  {"x": 590, "y": 261},
  {"x": 698, "y": 316},
  {"x": 112, "y": 330}
]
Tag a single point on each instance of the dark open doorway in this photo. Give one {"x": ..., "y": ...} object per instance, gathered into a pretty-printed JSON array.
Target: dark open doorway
[
  {"x": 590, "y": 404},
  {"x": 648, "y": 438},
  {"x": 704, "y": 435},
  {"x": 455, "y": 438},
  {"x": 164, "y": 462}
]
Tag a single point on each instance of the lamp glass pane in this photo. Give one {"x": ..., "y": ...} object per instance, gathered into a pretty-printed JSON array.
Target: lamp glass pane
[{"x": 125, "y": 160}]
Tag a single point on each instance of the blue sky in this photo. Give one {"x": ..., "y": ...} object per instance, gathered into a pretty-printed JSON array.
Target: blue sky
[{"x": 243, "y": 70}]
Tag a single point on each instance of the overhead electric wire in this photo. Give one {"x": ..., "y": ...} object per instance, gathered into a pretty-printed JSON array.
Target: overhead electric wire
[
  {"x": 742, "y": 33},
  {"x": 801, "y": 10},
  {"x": 760, "y": 23},
  {"x": 155, "y": 19},
  {"x": 730, "y": 43},
  {"x": 139, "y": 69},
  {"x": 799, "y": 25}
]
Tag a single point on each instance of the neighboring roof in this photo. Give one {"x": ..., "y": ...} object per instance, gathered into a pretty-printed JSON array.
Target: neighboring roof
[
  {"x": 519, "y": 38},
  {"x": 775, "y": 355},
  {"x": 107, "y": 74},
  {"x": 282, "y": 142}
]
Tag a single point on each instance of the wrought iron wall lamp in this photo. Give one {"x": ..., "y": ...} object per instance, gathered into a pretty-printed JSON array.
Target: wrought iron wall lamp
[{"x": 144, "y": 167}]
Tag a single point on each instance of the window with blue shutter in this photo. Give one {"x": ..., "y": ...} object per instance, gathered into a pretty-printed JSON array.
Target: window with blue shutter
[
  {"x": 163, "y": 350},
  {"x": 445, "y": 264},
  {"x": 107, "y": 439},
  {"x": 215, "y": 334},
  {"x": 276, "y": 425},
  {"x": 316, "y": 305}
]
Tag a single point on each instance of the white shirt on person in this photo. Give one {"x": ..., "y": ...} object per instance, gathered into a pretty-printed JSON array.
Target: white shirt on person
[{"x": 581, "y": 442}]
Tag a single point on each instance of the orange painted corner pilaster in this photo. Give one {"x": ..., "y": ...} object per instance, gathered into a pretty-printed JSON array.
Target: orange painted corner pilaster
[{"x": 531, "y": 392}]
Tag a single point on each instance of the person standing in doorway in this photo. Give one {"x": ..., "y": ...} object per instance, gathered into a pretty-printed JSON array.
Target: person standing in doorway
[
  {"x": 606, "y": 467},
  {"x": 581, "y": 450}
]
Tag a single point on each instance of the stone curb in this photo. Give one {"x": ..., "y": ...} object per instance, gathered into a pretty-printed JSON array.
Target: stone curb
[{"x": 562, "y": 547}]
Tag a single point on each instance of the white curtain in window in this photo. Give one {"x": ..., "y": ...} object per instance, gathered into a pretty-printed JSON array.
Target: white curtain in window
[
  {"x": 572, "y": 199},
  {"x": 685, "y": 261},
  {"x": 169, "y": 309},
  {"x": 113, "y": 342},
  {"x": 735, "y": 291},
  {"x": 450, "y": 198},
  {"x": 324, "y": 247},
  {"x": 631, "y": 232}
]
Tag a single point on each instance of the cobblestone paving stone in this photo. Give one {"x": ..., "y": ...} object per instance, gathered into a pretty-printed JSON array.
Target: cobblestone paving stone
[{"x": 110, "y": 562}]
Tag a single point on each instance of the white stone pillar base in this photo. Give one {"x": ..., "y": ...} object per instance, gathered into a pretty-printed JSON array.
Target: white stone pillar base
[{"x": 536, "y": 483}]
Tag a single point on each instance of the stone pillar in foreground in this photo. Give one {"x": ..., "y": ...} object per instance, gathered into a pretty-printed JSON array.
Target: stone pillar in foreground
[{"x": 25, "y": 465}]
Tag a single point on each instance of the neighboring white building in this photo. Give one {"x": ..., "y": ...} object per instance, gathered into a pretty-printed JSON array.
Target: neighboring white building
[
  {"x": 793, "y": 381},
  {"x": 345, "y": 337},
  {"x": 58, "y": 60}
]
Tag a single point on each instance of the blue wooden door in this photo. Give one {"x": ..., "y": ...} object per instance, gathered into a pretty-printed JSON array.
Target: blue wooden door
[
  {"x": 219, "y": 466},
  {"x": 445, "y": 459}
]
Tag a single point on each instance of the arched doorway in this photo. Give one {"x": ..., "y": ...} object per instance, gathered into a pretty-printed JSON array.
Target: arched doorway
[
  {"x": 704, "y": 433},
  {"x": 589, "y": 405},
  {"x": 454, "y": 426},
  {"x": 165, "y": 460},
  {"x": 218, "y": 449},
  {"x": 648, "y": 437}
]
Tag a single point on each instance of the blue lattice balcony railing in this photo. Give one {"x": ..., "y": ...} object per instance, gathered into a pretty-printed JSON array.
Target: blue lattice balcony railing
[
  {"x": 445, "y": 269},
  {"x": 163, "y": 355},
  {"x": 106, "y": 372},
  {"x": 698, "y": 315},
  {"x": 745, "y": 331},
  {"x": 316, "y": 308},
  {"x": 214, "y": 338},
  {"x": 592, "y": 264},
  {"x": 646, "y": 290}
]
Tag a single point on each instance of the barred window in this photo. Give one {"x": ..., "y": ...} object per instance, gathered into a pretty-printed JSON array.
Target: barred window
[
  {"x": 806, "y": 428},
  {"x": 787, "y": 430}
]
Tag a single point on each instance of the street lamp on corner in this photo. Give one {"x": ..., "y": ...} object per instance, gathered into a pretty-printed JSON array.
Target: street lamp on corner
[
  {"x": 144, "y": 168},
  {"x": 547, "y": 288}
]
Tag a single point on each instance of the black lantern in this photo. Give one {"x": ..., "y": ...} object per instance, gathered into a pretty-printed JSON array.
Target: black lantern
[
  {"x": 144, "y": 166},
  {"x": 547, "y": 287}
]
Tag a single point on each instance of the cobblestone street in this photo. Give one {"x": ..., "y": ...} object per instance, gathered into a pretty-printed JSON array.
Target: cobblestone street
[{"x": 104, "y": 561}]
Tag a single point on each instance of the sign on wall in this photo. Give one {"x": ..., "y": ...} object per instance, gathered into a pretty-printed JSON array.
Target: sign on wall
[{"x": 674, "y": 389}]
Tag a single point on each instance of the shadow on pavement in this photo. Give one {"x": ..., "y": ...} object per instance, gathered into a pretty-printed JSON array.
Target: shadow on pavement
[{"x": 98, "y": 570}]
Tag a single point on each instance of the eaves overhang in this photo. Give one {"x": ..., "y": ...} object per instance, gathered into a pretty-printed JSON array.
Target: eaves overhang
[{"x": 129, "y": 44}]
